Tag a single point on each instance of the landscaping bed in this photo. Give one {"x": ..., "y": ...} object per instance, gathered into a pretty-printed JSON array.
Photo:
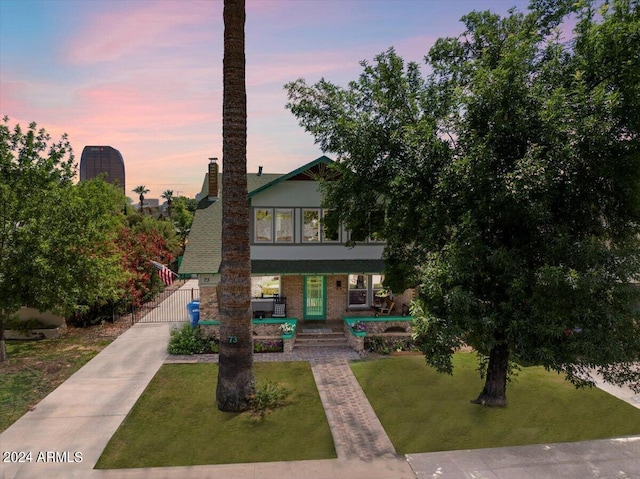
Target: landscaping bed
[
  {"x": 382, "y": 335},
  {"x": 270, "y": 335}
]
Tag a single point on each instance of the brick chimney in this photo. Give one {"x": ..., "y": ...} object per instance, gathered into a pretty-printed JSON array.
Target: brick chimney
[{"x": 213, "y": 178}]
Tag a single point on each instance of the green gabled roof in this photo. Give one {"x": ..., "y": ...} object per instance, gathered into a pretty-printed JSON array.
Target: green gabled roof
[
  {"x": 204, "y": 249},
  {"x": 323, "y": 160}
]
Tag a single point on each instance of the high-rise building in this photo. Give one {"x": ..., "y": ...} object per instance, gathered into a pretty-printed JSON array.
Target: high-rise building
[{"x": 97, "y": 160}]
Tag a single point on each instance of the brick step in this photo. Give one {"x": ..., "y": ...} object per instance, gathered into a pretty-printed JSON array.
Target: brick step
[
  {"x": 320, "y": 340},
  {"x": 333, "y": 334}
]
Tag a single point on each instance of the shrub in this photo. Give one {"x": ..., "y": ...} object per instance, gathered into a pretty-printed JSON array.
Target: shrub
[
  {"x": 267, "y": 346},
  {"x": 188, "y": 340},
  {"x": 268, "y": 396},
  {"x": 377, "y": 344}
]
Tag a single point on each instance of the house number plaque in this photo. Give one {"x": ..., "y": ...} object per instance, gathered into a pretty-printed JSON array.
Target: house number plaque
[{"x": 233, "y": 339}]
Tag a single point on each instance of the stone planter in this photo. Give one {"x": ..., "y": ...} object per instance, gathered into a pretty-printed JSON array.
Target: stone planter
[
  {"x": 33, "y": 334},
  {"x": 57, "y": 325}
]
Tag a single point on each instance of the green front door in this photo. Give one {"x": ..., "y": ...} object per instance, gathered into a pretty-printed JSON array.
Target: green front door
[{"x": 315, "y": 298}]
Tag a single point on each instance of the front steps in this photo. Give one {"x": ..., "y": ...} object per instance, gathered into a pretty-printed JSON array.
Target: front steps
[{"x": 321, "y": 335}]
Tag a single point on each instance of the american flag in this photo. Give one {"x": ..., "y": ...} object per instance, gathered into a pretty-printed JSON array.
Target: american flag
[{"x": 166, "y": 275}]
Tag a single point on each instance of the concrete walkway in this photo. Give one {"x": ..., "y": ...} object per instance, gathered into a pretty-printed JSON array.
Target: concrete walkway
[{"x": 68, "y": 430}]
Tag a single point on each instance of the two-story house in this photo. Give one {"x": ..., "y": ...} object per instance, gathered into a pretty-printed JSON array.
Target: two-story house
[{"x": 294, "y": 256}]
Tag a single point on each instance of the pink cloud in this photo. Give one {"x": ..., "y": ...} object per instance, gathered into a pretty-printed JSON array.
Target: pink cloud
[{"x": 110, "y": 35}]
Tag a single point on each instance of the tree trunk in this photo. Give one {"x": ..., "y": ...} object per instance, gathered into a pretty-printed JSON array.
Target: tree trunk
[
  {"x": 235, "y": 377},
  {"x": 494, "y": 392},
  {"x": 3, "y": 346}
]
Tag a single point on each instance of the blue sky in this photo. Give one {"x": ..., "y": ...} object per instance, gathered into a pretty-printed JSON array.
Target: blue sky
[{"x": 145, "y": 76}]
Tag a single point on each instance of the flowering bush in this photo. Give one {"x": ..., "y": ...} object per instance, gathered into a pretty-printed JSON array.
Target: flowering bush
[
  {"x": 287, "y": 328},
  {"x": 359, "y": 326}
]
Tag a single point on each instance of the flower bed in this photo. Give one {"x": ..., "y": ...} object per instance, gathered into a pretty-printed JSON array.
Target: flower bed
[
  {"x": 270, "y": 335},
  {"x": 379, "y": 334}
]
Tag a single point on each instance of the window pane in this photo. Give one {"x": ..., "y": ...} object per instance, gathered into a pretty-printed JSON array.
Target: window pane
[
  {"x": 284, "y": 225},
  {"x": 359, "y": 232},
  {"x": 376, "y": 220},
  {"x": 379, "y": 291},
  {"x": 330, "y": 227},
  {"x": 311, "y": 225},
  {"x": 265, "y": 286},
  {"x": 357, "y": 290},
  {"x": 264, "y": 224}
]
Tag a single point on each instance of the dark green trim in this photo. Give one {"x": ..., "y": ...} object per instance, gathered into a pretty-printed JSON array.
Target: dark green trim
[{"x": 317, "y": 267}]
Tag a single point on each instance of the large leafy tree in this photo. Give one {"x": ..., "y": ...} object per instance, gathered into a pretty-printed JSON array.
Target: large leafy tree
[
  {"x": 54, "y": 236},
  {"x": 511, "y": 183},
  {"x": 235, "y": 375}
]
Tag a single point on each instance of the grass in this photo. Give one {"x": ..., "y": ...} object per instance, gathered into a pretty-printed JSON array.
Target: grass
[
  {"x": 423, "y": 411},
  {"x": 176, "y": 423},
  {"x": 35, "y": 368}
]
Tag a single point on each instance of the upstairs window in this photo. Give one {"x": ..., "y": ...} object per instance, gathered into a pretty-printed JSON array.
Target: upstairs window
[
  {"x": 330, "y": 227},
  {"x": 311, "y": 225},
  {"x": 263, "y": 225},
  {"x": 284, "y": 225}
]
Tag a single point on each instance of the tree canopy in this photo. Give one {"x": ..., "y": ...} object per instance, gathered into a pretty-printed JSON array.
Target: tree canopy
[
  {"x": 510, "y": 181},
  {"x": 66, "y": 246},
  {"x": 55, "y": 248}
]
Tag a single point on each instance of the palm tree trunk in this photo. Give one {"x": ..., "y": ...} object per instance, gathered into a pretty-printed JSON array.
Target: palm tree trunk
[{"x": 235, "y": 374}]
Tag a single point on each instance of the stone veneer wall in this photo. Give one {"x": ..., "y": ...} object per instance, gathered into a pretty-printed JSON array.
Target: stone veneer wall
[
  {"x": 266, "y": 329},
  {"x": 379, "y": 327},
  {"x": 209, "y": 303},
  {"x": 376, "y": 327}
]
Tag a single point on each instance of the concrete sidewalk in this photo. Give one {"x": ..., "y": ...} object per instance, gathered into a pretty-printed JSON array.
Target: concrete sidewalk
[
  {"x": 68, "y": 430},
  {"x": 79, "y": 417}
]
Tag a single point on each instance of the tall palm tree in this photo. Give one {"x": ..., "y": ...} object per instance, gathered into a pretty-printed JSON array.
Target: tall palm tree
[
  {"x": 168, "y": 195},
  {"x": 141, "y": 190},
  {"x": 236, "y": 382}
]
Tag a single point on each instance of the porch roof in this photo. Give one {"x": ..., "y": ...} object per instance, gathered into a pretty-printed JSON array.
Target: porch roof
[{"x": 285, "y": 267}]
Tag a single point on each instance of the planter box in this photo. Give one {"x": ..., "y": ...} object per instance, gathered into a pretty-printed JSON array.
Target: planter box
[{"x": 34, "y": 334}]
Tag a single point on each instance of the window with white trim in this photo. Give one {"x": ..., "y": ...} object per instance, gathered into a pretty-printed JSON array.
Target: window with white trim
[
  {"x": 357, "y": 291},
  {"x": 284, "y": 225},
  {"x": 265, "y": 286},
  {"x": 330, "y": 227},
  {"x": 263, "y": 225},
  {"x": 311, "y": 225}
]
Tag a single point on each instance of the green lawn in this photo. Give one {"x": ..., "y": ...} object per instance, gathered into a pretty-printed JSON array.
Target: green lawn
[
  {"x": 176, "y": 423},
  {"x": 424, "y": 411}
]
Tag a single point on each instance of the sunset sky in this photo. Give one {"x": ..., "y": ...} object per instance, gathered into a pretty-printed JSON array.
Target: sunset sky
[{"x": 145, "y": 76}]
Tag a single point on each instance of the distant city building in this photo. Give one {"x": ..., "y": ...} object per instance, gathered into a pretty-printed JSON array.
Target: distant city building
[{"x": 98, "y": 160}]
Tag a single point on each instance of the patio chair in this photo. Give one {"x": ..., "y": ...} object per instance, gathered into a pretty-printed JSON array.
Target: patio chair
[{"x": 385, "y": 306}]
